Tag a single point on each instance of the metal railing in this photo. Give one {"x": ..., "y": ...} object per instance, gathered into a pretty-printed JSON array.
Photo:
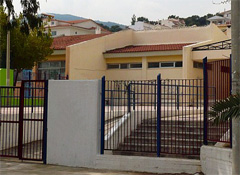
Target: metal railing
[
  {"x": 23, "y": 117},
  {"x": 9, "y": 120},
  {"x": 217, "y": 74},
  {"x": 153, "y": 116}
]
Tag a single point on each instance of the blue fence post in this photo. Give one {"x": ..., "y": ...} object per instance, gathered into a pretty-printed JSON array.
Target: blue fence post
[
  {"x": 129, "y": 97},
  {"x": 134, "y": 100},
  {"x": 230, "y": 74},
  {"x": 205, "y": 82},
  {"x": 177, "y": 97},
  {"x": 197, "y": 97},
  {"x": 112, "y": 103},
  {"x": 102, "y": 116},
  {"x": 45, "y": 122},
  {"x": 30, "y": 88},
  {"x": 158, "y": 115}
]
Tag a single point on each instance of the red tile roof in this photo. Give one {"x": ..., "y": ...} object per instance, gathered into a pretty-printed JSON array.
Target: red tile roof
[
  {"x": 60, "y": 43},
  {"x": 79, "y": 21},
  {"x": 149, "y": 48}
]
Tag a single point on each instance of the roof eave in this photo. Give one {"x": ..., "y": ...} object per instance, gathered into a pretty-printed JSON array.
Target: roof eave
[{"x": 142, "y": 54}]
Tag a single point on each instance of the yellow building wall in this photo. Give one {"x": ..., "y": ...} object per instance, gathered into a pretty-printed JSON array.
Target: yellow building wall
[
  {"x": 86, "y": 61},
  {"x": 56, "y": 57},
  {"x": 183, "y": 35},
  {"x": 188, "y": 55},
  {"x": 166, "y": 73},
  {"x": 145, "y": 73}
]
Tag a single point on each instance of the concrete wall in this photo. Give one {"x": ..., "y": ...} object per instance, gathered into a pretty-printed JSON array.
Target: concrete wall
[
  {"x": 212, "y": 55},
  {"x": 73, "y": 120},
  {"x": 216, "y": 161},
  {"x": 74, "y": 132}
]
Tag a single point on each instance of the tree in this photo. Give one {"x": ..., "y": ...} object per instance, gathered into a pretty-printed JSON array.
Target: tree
[
  {"x": 173, "y": 17},
  {"x": 30, "y": 19},
  {"x": 226, "y": 109},
  {"x": 115, "y": 28},
  {"x": 133, "y": 19},
  {"x": 143, "y": 19},
  {"x": 104, "y": 26},
  {"x": 26, "y": 49}
]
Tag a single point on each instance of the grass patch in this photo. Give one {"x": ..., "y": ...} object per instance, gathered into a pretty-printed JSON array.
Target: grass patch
[{"x": 15, "y": 102}]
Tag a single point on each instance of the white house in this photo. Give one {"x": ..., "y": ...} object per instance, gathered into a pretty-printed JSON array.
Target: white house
[
  {"x": 221, "y": 20},
  {"x": 69, "y": 28},
  {"x": 140, "y": 26},
  {"x": 173, "y": 23}
]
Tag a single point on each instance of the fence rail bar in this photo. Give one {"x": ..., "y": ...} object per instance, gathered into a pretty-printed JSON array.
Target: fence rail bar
[
  {"x": 45, "y": 116},
  {"x": 230, "y": 74},
  {"x": 102, "y": 116},
  {"x": 205, "y": 75},
  {"x": 158, "y": 115},
  {"x": 218, "y": 75},
  {"x": 23, "y": 116},
  {"x": 20, "y": 132}
]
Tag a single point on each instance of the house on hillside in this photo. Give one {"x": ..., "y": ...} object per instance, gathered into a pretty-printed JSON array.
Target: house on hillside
[
  {"x": 223, "y": 22},
  {"x": 142, "y": 55},
  {"x": 69, "y": 28},
  {"x": 173, "y": 23},
  {"x": 139, "y": 26}
]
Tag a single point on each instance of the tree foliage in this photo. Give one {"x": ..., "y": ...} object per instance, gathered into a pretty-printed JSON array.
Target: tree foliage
[
  {"x": 197, "y": 20},
  {"x": 114, "y": 28},
  {"x": 133, "y": 19},
  {"x": 30, "y": 19},
  {"x": 189, "y": 21},
  {"x": 143, "y": 19},
  {"x": 226, "y": 109},
  {"x": 26, "y": 50}
]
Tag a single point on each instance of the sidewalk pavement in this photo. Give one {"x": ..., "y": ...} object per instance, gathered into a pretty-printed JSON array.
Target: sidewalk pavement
[{"x": 10, "y": 166}]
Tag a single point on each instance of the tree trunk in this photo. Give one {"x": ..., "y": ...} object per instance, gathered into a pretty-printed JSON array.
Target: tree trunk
[{"x": 235, "y": 14}]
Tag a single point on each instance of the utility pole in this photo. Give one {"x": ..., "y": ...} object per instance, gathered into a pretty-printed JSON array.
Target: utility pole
[
  {"x": 235, "y": 15},
  {"x": 8, "y": 54}
]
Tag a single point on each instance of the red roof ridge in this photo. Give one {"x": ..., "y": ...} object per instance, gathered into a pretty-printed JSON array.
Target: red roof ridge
[
  {"x": 79, "y": 21},
  {"x": 149, "y": 48},
  {"x": 60, "y": 43}
]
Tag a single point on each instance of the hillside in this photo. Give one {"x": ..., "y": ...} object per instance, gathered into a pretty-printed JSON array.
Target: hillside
[{"x": 68, "y": 17}]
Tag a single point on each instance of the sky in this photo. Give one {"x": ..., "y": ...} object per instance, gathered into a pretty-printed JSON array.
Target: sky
[{"x": 121, "y": 11}]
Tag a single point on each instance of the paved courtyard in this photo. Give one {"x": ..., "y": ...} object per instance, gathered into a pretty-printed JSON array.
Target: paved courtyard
[{"x": 16, "y": 167}]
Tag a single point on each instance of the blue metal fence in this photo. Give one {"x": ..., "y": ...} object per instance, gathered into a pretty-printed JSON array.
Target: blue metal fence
[{"x": 153, "y": 116}]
